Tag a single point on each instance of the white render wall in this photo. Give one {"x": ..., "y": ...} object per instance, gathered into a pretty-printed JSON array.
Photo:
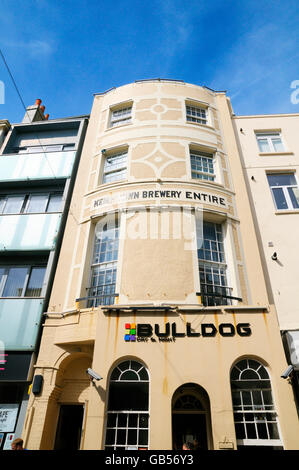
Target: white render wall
[{"x": 278, "y": 231}]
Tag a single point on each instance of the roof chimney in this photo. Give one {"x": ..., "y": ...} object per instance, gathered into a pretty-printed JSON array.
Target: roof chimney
[
  {"x": 35, "y": 112},
  {"x": 46, "y": 117}
]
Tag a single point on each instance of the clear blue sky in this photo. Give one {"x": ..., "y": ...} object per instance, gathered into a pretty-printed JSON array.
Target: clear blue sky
[{"x": 63, "y": 51}]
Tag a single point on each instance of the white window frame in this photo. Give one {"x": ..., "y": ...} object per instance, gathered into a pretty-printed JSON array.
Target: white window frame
[
  {"x": 105, "y": 265},
  {"x": 115, "y": 171},
  {"x": 202, "y": 154},
  {"x": 285, "y": 191},
  {"x": 197, "y": 119},
  {"x": 270, "y": 136},
  {"x": 205, "y": 264},
  {"x": 120, "y": 115},
  {"x": 256, "y": 410}
]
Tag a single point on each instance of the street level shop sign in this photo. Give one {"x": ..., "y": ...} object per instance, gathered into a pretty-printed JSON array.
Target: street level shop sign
[{"x": 144, "y": 332}]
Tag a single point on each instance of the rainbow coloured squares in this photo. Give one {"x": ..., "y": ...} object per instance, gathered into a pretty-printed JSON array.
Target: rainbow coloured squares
[{"x": 130, "y": 332}]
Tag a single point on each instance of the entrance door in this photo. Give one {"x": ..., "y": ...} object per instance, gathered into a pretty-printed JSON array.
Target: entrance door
[
  {"x": 189, "y": 428},
  {"x": 191, "y": 418},
  {"x": 68, "y": 434}
]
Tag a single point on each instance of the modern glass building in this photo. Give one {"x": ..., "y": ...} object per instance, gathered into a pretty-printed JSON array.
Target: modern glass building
[{"x": 38, "y": 164}]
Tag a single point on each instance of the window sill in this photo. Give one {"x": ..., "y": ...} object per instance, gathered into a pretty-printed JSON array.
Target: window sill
[
  {"x": 274, "y": 154},
  {"x": 287, "y": 211},
  {"x": 112, "y": 183},
  {"x": 120, "y": 126},
  {"x": 198, "y": 124}
]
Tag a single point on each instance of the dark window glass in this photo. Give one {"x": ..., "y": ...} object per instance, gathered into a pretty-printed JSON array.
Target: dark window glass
[
  {"x": 262, "y": 431},
  {"x": 128, "y": 396},
  {"x": 129, "y": 375},
  {"x": 273, "y": 431},
  {"x": 143, "y": 421},
  {"x": 122, "y": 420},
  {"x": 110, "y": 436},
  {"x": 132, "y": 436},
  {"x": 133, "y": 421},
  {"x": 240, "y": 431},
  {"x": 121, "y": 436},
  {"x": 251, "y": 432},
  {"x": 143, "y": 437},
  {"x": 111, "y": 422}
]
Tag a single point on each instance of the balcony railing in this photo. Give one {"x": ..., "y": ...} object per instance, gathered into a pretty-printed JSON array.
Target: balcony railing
[
  {"x": 33, "y": 166},
  {"x": 20, "y": 319},
  {"x": 212, "y": 295},
  {"x": 99, "y": 295},
  {"x": 28, "y": 231}
]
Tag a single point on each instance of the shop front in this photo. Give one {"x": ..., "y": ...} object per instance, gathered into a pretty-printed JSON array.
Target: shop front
[
  {"x": 210, "y": 378},
  {"x": 15, "y": 376}
]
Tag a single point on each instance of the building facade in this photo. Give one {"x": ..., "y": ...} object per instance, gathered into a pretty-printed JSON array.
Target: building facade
[
  {"x": 269, "y": 152},
  {"x": 159, "y": 290},
  {"x": 38, "y": 163}
]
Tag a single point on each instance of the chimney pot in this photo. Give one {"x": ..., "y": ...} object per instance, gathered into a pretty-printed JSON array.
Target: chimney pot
[
  {"x": 46, "y": 116},
  {"x": 38, "y": 102},
  {"x": 42, "y": 108}
]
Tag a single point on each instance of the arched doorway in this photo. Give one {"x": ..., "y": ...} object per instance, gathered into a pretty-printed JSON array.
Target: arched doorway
[{"x": 191, "y": 418}]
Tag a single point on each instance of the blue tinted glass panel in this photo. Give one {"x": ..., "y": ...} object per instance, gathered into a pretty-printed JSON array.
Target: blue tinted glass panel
[
  {"x": 280, "y": 200},
  {"x": 282, "y": 179}
]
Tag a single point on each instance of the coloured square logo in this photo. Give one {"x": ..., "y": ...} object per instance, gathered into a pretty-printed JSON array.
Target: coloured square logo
[{"x": 130, "y": 329}]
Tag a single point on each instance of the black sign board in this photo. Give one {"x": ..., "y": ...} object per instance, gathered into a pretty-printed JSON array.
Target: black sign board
[{"x": 14, "y": 366}]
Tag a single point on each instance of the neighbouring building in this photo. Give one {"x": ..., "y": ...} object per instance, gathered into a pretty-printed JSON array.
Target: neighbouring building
[
  {"x": 269, "y": 152},
  {"x": 160, "y": 292},
  {"x": 38, "y": 163}
]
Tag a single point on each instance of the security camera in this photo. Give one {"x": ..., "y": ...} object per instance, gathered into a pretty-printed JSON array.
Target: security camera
[
  {"x": 274, "y": 256},
  {"x": 93, "y": 374},
  {"x": 103, "y": 151},
  {"x": 287, "y": 372}
]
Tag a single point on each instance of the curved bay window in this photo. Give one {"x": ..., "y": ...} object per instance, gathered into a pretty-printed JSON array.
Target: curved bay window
[
  {"x": 128, "y": 414},
  {"x": 255, "y": 418},
  {"x": 104, "y": 264}
]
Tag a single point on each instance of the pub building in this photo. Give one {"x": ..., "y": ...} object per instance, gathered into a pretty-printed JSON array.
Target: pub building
[{"x": 160, "y": 328}]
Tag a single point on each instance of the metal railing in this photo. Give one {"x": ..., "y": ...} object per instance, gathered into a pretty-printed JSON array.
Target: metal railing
[
  {"x": 98, "y": 295},
  {"x": 212, "y": 295}
]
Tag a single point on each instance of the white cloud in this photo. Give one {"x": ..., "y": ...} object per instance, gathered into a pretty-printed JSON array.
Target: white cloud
[{"x": 34, "y": 48}]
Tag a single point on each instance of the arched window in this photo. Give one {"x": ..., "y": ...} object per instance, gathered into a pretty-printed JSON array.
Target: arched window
[
  {"x": 128, "y": 407},
  {"x": 255, "y": 418}
]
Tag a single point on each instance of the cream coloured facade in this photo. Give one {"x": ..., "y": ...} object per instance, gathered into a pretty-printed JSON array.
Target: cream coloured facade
[
  {"x": 160, "y": 289},
  {"x": 269, "y": 151}
]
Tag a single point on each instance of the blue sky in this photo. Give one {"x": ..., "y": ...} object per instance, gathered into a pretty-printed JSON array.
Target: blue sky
[{"x": 64, "y": 51}]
